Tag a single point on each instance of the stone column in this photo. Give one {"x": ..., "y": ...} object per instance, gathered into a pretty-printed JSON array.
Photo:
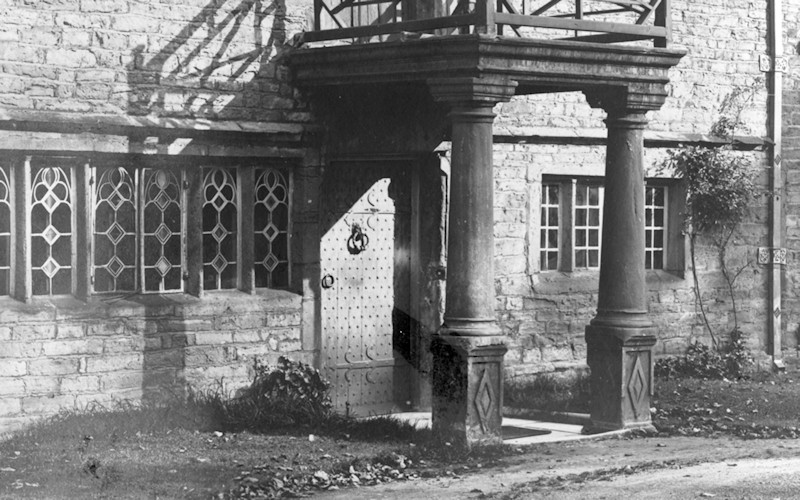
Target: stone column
[
  {"x": 620, "y": 338},
  {"x": 468, "y": 349}
]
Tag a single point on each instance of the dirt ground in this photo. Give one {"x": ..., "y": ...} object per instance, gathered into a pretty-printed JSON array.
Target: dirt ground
[{"x": 662, "y": 468}]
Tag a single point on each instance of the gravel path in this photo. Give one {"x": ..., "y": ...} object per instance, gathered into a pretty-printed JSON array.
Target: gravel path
[{"x": 658, "y": 468}]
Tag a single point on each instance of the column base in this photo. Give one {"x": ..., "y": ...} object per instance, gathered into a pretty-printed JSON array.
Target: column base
[
  {"x": 457, "y": 327},
  {"x": 468, "y": 389},
  {"x": 621, "y": 364}
]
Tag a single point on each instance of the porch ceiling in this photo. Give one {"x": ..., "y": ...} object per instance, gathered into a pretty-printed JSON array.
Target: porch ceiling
[{"x": 537, "y": 65}]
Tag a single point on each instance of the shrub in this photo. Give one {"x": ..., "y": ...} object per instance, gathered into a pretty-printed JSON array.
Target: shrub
[
  {"x": 295, "y": 386},
  {"x": 292, "y": 393},
  {"x": 701, "y": 361}
]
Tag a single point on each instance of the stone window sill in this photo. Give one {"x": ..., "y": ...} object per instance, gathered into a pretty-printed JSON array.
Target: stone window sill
[{"x": 118, "y": 305}]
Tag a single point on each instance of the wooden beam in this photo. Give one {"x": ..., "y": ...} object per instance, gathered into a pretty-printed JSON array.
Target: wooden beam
[
  {"x": 387, "y": 29},
  {"x": 664, "y": 20},
  {"x": 579, "y": 25},
  {"x": 606, "y": 38}
]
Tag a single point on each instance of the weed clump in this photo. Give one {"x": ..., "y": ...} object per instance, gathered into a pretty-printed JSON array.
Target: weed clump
[
  {"x": 731, "y": 361},
  {"x": 290, "y": 394}
]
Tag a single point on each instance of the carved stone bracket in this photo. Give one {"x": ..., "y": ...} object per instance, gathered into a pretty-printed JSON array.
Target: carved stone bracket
[
  {"x": 469, "y": 91},
  {"x": 633, "y": 98}
]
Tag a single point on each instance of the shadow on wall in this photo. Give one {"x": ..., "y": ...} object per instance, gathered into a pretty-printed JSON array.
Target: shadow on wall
[
  {"x": 223, "y": 64},
  {"x": 203, "y": 71}
]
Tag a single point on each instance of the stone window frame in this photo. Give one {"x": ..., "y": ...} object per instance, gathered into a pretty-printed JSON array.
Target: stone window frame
[
  {"x": 82, "y": 172},
  {"x": 674, "y": 243}
]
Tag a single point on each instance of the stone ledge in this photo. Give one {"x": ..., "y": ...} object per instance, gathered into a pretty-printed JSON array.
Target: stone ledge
[
  {"x": 48, "y": 309},
  {"x": 47, "y": 121}
]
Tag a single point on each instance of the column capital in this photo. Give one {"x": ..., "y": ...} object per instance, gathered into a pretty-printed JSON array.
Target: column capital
[
  {"x": 631, "y": 100},
  {"x": 483, "y": 91}
]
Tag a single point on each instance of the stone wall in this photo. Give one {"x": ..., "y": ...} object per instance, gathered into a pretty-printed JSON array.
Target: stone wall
[
  {"x": 198, "y": 58},
  {"x": 722, "y": 54},
  {"x": 149, "y": 82},
  {"x": 174, "y": 68},
  {"x": 791, "y": 166},
  {"x": 544, "y": 313},
  {"x": 63, "y": 353}
]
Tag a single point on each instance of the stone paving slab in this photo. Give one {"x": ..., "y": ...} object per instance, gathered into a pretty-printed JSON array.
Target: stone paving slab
[{"x": 556, "y": 432}]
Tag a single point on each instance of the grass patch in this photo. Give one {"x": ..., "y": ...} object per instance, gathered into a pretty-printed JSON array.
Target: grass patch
[
  {"x": 765, "y": 406},
  {"x": 176, "y": 451}
]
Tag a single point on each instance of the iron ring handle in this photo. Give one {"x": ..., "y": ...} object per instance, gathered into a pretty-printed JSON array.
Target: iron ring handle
[{"x": 327, "y": 281}]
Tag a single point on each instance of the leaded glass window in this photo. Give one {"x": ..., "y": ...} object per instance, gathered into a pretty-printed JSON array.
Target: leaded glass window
[
  {"x": 271, "y": 224},
  {"x": 125, "y": 228},
  {"x": 162, "y": 224},
  {"x": 220, "y": 220},
  {"x": 115, "y": 231},
  {"x": 51, "y": 231},
  {"x": 5, "y": 232}
]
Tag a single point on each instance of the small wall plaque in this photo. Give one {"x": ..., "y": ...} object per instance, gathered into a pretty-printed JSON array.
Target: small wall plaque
[{"x": 767, "y": 255}]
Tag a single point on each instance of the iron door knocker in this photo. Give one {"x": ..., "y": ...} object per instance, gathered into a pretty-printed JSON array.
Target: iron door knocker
[{"x": 358, "y": 241}]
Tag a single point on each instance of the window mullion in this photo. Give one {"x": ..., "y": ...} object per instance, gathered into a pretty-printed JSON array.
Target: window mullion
[
  {"x": 665, "y": 241},
  {"x": 289, "y": 226},
  {"x": 567, "y": 257},
  {"x": 602, "y": 199},
  {"x": 246, "y": 200},
  {"x": 194, "y": 231},
  {"x": 140, "y": 180},
  {"x": 23, "y": 286},
  {"x": 81, "y": 243},
  {"x": 9, "y": 202}
]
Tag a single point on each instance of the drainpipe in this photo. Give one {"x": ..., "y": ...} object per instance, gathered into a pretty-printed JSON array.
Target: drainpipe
[{"x": 777, "y": 65}]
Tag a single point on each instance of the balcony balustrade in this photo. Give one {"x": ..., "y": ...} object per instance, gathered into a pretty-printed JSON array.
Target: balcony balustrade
[{"x": 599, "y": 21}]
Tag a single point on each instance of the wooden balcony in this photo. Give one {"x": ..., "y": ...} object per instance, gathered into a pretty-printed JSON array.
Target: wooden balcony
[{"x": 598, "y": 21}]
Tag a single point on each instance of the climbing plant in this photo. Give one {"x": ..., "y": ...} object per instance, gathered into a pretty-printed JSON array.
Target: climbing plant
[{"x": 720, "y": 186}]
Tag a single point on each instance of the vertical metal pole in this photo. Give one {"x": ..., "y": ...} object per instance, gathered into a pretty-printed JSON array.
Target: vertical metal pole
[{"x": 776, "y": 180}]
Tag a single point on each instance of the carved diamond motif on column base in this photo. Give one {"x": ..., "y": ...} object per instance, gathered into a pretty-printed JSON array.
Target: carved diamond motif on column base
[
  {"x": 621, "y": 364},
  {"x": 468, "y": 389}
]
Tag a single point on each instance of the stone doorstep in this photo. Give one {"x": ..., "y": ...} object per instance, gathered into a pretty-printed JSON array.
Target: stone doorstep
[{"x": 556, "y": 432}]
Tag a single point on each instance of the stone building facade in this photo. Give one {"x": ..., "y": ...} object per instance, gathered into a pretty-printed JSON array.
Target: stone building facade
[{"x": 130, "y": 267}]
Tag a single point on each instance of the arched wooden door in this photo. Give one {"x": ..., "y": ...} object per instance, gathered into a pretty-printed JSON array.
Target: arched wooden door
[{"x": 365, "y": 257}]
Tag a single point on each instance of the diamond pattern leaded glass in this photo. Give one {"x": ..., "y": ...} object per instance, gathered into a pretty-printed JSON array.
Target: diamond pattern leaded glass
[
  {"x": 220, "y": 220},
  {"x": 271, "y": 226},
  {"x": 163, "y": 234},
  {"x": 51, "y": 234},
  {"x": 5, "y": 232},
  {"x": 161, "y": 222},
  {"x": 114, "y": 230}
]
